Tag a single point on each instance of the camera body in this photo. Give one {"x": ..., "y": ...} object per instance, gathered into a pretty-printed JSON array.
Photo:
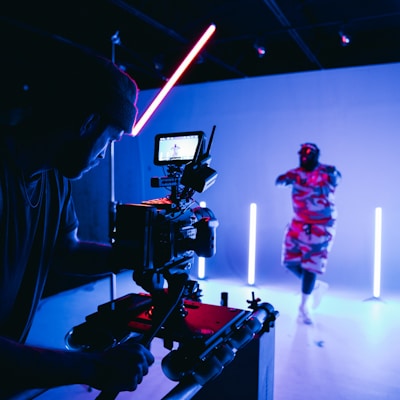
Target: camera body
[{"x": 161, "y": 236}]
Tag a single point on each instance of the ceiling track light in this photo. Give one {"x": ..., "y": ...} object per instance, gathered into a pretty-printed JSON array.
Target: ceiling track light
[
  {"x": 345, "y": 39},
  {"x": 260, "y": 50}
]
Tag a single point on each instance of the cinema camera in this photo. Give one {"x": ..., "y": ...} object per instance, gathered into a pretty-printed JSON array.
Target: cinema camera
[{"x": 161, "y": 237}]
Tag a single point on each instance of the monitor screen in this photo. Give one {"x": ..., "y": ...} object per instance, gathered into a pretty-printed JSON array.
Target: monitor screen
[{"x": 176, "y": 148}]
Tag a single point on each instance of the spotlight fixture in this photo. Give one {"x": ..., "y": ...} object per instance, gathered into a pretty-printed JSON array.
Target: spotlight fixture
[
  {"x": 115, "y": 39},
  {"x": 158, "y": 63},
  {"x": 344, "y": 38},
  {"x": 260, "y": 50}
]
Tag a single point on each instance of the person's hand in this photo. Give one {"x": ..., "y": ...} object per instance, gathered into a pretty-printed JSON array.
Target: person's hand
[
  {"x": 122, "y": 368},
  {"x": 330, "y": 169},
  {"x": 334, "y": 175},
  {"x": 286, "y": 179}
]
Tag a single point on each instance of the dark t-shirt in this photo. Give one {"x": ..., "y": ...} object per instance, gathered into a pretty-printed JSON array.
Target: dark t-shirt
[{"x": 32, "y": 216}]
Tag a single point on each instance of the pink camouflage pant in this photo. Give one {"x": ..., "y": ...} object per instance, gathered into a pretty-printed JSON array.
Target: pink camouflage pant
[{"x": 308, "y": 245}]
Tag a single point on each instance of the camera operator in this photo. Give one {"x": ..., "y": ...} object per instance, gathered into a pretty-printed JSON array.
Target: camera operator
[{"x": 51, "y": 133}]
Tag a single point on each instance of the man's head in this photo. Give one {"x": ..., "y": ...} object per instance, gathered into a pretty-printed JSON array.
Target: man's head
[
  {"x": 309, "y": 155},
  {"x": 107, "y": 107},
  {"x": 82, "y": 86},
  {"x": 76, "y": 106}
]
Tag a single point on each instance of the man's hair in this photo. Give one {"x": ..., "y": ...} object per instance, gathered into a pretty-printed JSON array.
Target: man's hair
[
  {"x": 88, "y": 85},
  {"x": 66, "y": 90}
]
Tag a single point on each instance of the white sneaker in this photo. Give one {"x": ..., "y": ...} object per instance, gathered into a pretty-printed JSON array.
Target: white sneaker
[
  {"x": 319, "y": 290},
  {"x": 304, "y": 316}
]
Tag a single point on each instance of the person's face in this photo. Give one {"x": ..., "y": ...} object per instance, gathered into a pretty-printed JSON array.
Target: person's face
[
  {"x": 82, "y": 154},
  {"x": 308, "y": 158}
]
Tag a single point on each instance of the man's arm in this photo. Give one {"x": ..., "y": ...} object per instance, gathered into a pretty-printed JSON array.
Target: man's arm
[
  {"x": 79, "y": 257},
  {"x": 334, "y": 174},
  {"x": 286, "y": 179},
  {"x": 119, "y": 369}
]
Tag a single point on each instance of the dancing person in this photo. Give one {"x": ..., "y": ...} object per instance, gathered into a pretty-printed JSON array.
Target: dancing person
[{"x": 309, "y": 237}]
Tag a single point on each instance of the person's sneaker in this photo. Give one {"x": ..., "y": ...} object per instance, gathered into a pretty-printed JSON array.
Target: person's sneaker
[
  {"x": 304, "y": 316},
  {"x": 319, "y": 290}
]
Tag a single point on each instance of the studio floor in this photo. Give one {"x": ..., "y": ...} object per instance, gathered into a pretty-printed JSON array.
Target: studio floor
[{"x": 350, "y": 352}]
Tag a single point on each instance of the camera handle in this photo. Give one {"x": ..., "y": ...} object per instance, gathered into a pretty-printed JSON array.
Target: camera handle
[{"x": 176, "y": 288}]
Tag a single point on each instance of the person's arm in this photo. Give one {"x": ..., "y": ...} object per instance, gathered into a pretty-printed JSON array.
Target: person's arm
[
  {"x": 286, "y": 179},
  {"x": 334, "y": 175},
  {"x": 78, "y": 257},
  {"x": 119, "y": 369}
]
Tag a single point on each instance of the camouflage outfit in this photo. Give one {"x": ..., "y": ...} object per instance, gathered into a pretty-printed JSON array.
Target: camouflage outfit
[{"x": 309, "y": 236}]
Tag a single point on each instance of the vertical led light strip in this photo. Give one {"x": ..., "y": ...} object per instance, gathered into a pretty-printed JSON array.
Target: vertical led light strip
[
  {"x": 252, "y": 244},
  {"x": 174, "y": 78},
  {"x": 377, "y": 252},
  {"x": 201, "y": 266}
]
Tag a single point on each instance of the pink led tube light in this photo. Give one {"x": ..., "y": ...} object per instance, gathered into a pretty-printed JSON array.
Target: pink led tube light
[{"x": 174, "y": 78}]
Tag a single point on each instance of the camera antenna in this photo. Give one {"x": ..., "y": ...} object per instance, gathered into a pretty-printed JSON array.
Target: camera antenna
[
  {"x": 198, "y": 150},
  {"x": 210, "y": 141}
]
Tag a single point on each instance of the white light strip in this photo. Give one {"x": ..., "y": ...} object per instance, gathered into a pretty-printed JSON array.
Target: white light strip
[
  {"x": 174, "y": 78},
  {"x": 252, "y": 244},
  {"x": 377, "y": 252},
  {"x": 201, "y": 266}
]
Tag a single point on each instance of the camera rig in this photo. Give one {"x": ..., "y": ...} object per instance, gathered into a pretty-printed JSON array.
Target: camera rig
[{"x": 160, "y": 237}]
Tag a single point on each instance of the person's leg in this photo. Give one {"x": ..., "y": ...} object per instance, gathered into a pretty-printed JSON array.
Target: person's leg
[
  {"x": 295, "y": 245},
  {"x": 308, "y": 282},
  {"x": 319, "y": 290},
  {"x": 307, "y": 286},
  {"x": 295, "y": 269},
  {"x": 322, "y": 239}
]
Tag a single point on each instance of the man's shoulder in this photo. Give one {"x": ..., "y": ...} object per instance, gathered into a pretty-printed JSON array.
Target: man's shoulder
[
  {"x": 330, "y": 169},
  {"x": 296, "y": 170},
  {"x": 321, "y": 165}
]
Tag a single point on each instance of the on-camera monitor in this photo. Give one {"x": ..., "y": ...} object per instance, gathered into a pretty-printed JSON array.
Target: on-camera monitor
[{"x": 176, "y": 148}]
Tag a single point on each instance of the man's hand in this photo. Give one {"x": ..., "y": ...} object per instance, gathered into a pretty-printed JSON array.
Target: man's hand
[
  {"x": 330, "y": 169},
  {"x": 122, "y": 368},
  {"x": 286, "y": 179},
  {"x": 333, "y": 174}
]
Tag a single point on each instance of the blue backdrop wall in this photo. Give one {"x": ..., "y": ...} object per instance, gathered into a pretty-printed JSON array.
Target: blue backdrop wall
[{"x": 352, "y": 114}]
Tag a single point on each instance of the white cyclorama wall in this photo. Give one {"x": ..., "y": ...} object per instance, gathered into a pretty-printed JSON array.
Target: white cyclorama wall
[{"x": 353, "y": 115}]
